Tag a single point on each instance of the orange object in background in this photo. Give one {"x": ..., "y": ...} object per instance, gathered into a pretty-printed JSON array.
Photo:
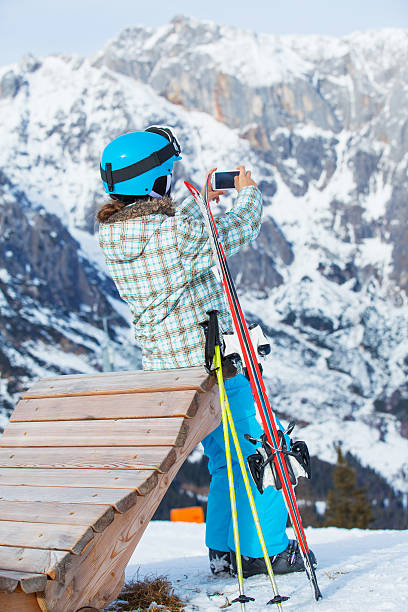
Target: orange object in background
[{"x": 193, "y": 514}]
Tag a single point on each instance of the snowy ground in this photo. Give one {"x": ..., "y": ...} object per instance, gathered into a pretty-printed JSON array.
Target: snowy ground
[{"x": 358, "y": 570}]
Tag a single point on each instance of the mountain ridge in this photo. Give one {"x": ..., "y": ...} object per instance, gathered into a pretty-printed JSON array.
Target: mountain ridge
[{"x": 327, "y": 275}]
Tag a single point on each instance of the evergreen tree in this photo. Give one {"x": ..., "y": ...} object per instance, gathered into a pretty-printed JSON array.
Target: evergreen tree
[{"x": 347, "y": 506}]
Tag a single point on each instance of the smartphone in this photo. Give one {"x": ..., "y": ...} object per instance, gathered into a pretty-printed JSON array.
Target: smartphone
[{"x": 224, "y": 180}]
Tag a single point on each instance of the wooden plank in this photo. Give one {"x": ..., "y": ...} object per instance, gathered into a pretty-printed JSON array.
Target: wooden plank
[
  {"x": 125, "y": 406},
  {"x": 120, "y": 499},
  {"x": 93, "y": 576},
  {"x": 19, "y": 602},
  {"x": 141, "y": 480},
  {"x": 28, "y": 582},
  {"x": 53, "y": 563},
  {"x": 73, "y": 538},
  {"x": 8, "y": 581},
  {"x": 125, "y": 432},
  {"x": 159, "y": 458},
  {"x": 96, "y": 516},
  {"x": 121, "y": 382}
]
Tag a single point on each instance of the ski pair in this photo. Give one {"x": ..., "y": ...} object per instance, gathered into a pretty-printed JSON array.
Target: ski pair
[
  {"x": 256, "y": 381},
  {"x": 213, "y": 357}
]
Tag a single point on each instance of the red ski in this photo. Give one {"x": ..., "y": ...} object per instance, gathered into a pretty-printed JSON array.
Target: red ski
[{"x": 257, "y": 384}]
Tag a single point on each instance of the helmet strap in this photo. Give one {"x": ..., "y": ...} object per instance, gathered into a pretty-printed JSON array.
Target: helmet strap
[{"x": 109, "y": 178}]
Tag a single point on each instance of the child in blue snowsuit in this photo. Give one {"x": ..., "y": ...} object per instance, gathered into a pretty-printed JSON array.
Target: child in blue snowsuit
[
  {"x": 270, "y": 505},
  {"x": 161, "y": 261}
]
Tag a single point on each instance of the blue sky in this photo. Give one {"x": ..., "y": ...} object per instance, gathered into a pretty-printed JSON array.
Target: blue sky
[{"x": 83, "y": 26}]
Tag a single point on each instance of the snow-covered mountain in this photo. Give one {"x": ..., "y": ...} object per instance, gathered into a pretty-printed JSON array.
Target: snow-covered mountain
[
  {"x": 54, "y": 301},
  {"x": 321, "y": 121}
]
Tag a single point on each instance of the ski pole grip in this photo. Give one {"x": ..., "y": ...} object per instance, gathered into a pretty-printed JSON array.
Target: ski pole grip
[{"x": 212, "y": 339}]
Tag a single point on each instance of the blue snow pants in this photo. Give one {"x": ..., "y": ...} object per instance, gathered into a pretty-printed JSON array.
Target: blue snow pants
[{"x": 270, "y": 505}]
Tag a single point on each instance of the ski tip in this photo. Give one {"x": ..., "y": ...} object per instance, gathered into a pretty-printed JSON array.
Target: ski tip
[{"x": 190, "y": 187}]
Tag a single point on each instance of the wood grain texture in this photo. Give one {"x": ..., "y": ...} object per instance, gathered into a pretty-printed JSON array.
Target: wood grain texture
[
  {"x": 19, "y": 602},
  {"x": 123, "y": 406},
  {"x": 120, "y": 499},
  {"x": 87, "y": 458},
  {"x": 91, "y": 578},
  {"x": 141, "y": 480},
  {"x": 53, "y": 563},
  {"x": 96, "y": 516},
  {"x": 121, "y": 382},
  {"x": 125, "y": 432},
  {"x": 159, "y": 458},
  {"x": 9, "y": 581},
  {"x": 72, "y": 538},
  {"x": 29, "y": 583}
]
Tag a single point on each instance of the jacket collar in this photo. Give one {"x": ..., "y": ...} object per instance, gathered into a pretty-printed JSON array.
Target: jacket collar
[{"x": 154, "y": 206}]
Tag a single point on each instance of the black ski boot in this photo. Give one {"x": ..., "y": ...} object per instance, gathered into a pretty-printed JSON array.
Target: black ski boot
[
  {"x": 219, "y": 561},
  {"x": 288, "y": 561}
]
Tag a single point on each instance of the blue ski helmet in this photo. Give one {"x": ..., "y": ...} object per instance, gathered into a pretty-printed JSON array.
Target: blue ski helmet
[{"x": 131, "y": 163}]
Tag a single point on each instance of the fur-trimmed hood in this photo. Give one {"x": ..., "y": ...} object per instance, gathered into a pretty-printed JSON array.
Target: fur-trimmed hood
[
  {"x": 154, "y": 206},
  {"x": 129, "y": 232}
]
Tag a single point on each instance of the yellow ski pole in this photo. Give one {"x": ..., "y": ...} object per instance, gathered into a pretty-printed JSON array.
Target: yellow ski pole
[
  {"x": 225, "y": 408},
  {"x": 242, "y": 599}
]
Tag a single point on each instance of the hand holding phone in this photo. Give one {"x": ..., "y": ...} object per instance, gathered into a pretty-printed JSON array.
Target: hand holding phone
[
  {"x": 234, "y": 178},
  {"x": 243, "y": 179},
  {"x": 213, "y": 193}
]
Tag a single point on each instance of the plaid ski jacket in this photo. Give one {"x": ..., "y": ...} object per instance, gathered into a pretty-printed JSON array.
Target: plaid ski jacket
[{"x": 160, "y": 259}]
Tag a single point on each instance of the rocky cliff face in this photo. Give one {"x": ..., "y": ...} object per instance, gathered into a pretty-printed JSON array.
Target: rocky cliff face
[
  {"x": 52, "y": 299},
  {"x": 321, "y": 123},
  {"x": 352, "y": 89}
]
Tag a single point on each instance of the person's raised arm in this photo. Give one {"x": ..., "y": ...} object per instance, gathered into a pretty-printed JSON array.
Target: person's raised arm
[
  {"x": 242, "y": 223},
  {"x": 236, "y": 228}
]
